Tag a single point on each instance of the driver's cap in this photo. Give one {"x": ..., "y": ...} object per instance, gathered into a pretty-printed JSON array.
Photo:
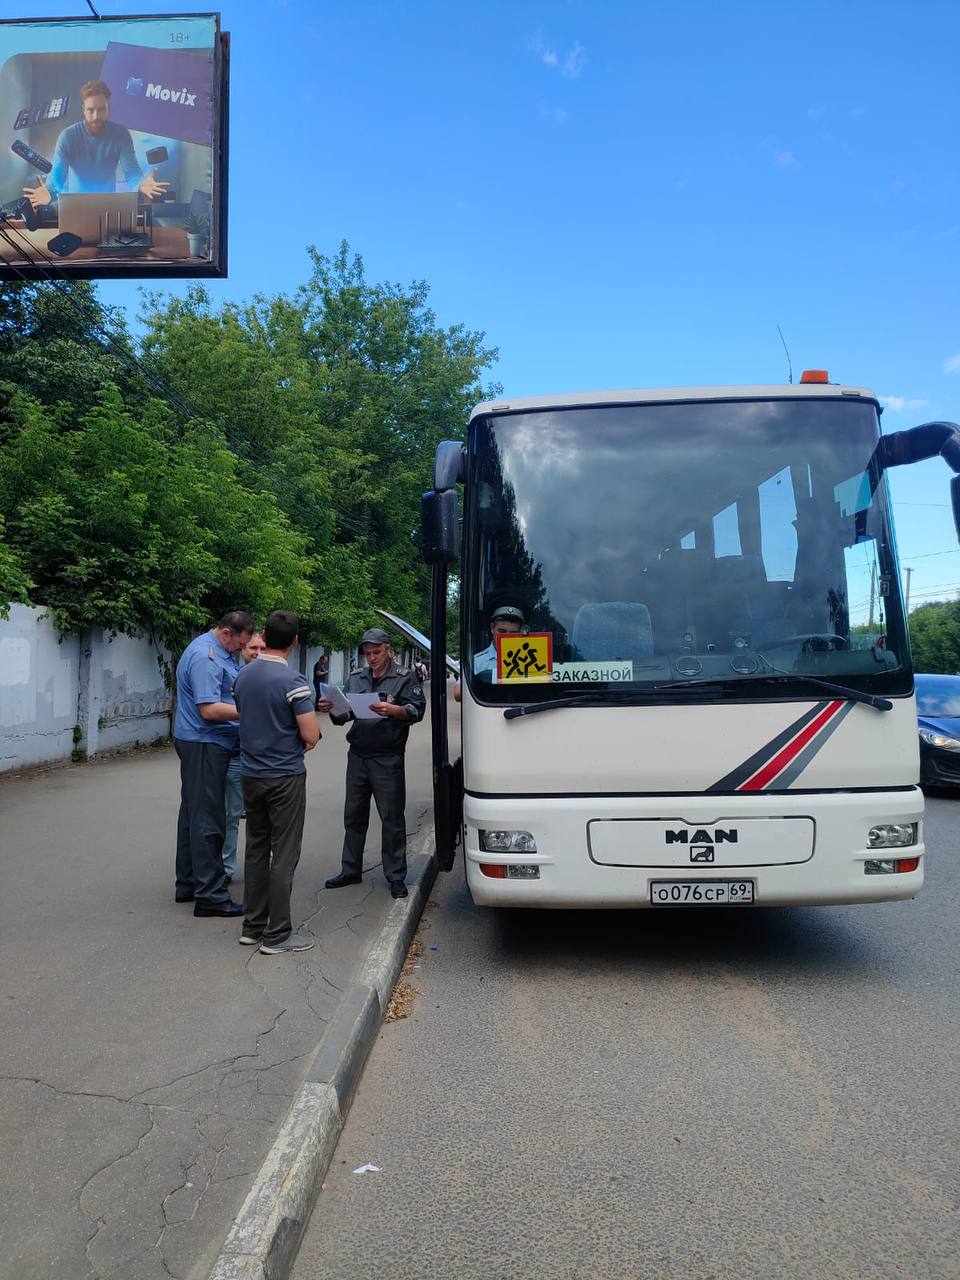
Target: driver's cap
[{"x": 508, "y": 611}]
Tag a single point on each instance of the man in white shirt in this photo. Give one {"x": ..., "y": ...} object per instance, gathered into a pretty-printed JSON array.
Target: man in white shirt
[{"x": 506, "y": 620}]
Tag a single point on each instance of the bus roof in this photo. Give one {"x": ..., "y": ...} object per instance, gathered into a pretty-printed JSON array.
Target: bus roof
[{"x": 657, "y": 395}]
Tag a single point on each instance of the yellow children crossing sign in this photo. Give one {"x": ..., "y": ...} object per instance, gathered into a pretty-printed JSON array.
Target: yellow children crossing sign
[{"x": 525, "y": 659}]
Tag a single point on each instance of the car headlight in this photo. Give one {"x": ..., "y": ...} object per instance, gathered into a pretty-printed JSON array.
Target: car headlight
[{"x": 939, "y": 740}]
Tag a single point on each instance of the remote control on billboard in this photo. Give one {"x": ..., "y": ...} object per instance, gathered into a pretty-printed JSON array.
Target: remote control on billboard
[
  {"x": 32, "y": 157},
  {"x": 51, "y": 110},
  {"x": 157, "y": 155}
]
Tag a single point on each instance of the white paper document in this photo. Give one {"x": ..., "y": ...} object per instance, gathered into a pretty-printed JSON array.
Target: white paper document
[
  {"x": 341, "y": 707},
  {"x": 360, "y": 705}
]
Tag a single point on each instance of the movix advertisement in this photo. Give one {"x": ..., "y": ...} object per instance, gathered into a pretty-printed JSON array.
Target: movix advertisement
[
  {"x": 164, "y": 92},
  {"x": 113, "y": 147}
]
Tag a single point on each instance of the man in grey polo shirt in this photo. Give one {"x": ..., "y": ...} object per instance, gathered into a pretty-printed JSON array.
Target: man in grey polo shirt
[{"x": 277, "y": 725}]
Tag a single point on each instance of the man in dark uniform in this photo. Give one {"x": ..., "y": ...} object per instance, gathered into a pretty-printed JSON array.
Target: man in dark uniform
[{"x": 375, "y": 761}]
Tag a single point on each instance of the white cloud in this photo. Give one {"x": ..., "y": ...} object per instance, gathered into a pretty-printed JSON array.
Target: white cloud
[
  {"x": 952, "y": 365},
  {"x": 899, "y": 404},
  {"x": 569, "y": 64},
  {"x": 573, "y": 62},
  {"x": 786, "y": 160}
]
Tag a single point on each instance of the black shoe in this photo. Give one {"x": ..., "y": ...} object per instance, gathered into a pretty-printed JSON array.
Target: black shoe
[
  {"x": 184, "y": 897},
  {"x": 337, "y": 882},
  {"x": 227, "y": 908},
  {"x": 398, "y": 889}
]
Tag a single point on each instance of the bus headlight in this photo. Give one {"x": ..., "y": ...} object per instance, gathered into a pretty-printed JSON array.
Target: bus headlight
[
  {"x": 507, "y": 842},
  {"x": 892, "y": 835}
]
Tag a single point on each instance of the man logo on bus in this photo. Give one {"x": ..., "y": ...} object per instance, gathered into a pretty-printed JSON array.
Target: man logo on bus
[
  {"x": 720, "y": 835},
  {"x": 701, "y": 853}
]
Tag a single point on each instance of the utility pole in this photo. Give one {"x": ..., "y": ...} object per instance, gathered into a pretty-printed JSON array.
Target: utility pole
[
  {"x": 907, "y": 569},
  {"x": 873, "y": 589}
]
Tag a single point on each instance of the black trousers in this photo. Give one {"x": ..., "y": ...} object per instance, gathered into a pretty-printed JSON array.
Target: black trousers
[
  {"x": 202, "y": 821},
  {"x": 383, "y": 778},
  {"x": 275, "y": 810}
]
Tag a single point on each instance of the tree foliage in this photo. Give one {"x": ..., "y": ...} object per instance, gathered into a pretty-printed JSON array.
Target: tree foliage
[
  {"x": 252, "y": 455},
  {"x": 935, "y": 637}
]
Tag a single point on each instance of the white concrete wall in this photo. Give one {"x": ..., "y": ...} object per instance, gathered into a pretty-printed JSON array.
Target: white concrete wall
[
  {"x": 111, "y": 691},
  {"x": 135, "y": 703},
  {"x": 39, "y": 688}
]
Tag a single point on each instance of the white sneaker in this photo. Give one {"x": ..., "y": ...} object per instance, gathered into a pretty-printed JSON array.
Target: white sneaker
[{"x": 296, "y": 942}]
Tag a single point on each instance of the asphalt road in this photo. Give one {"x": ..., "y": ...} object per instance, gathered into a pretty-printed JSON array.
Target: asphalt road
[
  {"x": 147, "y": 1060},
  {"x": 698, "y": 1095}
]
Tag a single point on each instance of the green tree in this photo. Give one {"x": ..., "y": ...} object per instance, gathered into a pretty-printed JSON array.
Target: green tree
[
  {"x": 335, "y": 400},
  {"x": 132, "y": 523},
  {"x": 15, "y": 583},
  {"x": 935, "y": 637}
]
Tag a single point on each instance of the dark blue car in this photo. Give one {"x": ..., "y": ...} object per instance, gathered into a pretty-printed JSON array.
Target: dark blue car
[{"x": 938, "y": 717}]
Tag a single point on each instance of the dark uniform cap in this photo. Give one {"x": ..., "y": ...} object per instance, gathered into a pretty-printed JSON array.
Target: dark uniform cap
[{"x": 375, "y": 635}]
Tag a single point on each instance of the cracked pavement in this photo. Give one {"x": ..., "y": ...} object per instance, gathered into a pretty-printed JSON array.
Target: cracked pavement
[{"x": 147, "y": 1060}]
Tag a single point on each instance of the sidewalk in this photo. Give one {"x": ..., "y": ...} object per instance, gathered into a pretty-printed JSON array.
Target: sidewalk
[{"x": 146, "y": 1059}]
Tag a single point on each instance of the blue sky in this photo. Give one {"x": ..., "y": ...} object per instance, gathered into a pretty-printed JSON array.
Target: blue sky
[{"x": 624, "y": 194}]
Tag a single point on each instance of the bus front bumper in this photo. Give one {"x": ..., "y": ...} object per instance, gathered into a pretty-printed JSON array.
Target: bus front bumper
[{"x": 834, "y": 866}]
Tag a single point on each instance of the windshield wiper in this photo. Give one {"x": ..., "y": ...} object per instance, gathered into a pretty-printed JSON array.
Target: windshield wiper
[
  {"x": 777, "y": 676},
  {"x": 636, "y": 698},
  {"x": 839, "y": 690}
]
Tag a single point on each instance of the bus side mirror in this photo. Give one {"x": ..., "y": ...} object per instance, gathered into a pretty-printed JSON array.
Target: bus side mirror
[
  {"x": 448, "y": 465},
  {"x": 917, "y": 444},
  {"x": 955, "y": 500},
  {"x": 440, "y": 524}
]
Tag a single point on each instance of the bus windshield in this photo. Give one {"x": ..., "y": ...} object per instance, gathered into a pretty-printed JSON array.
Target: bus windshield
[{"x": 711, "y": 549}]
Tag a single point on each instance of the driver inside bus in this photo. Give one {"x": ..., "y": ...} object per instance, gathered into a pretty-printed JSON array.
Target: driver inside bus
[{"x": 506, "y": 620}]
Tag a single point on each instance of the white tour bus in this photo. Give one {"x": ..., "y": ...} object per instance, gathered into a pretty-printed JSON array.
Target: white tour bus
[{"x": 703, "y": 694}]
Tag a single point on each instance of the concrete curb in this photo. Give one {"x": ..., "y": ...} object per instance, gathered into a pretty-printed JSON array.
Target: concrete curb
[{"x": 263, "y": 1241}]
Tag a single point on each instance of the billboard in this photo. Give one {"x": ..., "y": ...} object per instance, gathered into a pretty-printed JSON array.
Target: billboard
[{"x": 113, "y": 144}]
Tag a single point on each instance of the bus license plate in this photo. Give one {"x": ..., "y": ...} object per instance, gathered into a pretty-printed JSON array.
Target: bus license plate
[{"x": 701, "y": 893}]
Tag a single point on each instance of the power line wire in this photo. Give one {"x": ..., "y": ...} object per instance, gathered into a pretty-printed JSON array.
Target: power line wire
[{"x": 930, "y": 554}]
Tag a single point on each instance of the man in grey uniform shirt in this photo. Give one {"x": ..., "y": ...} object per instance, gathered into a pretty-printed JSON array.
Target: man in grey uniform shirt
[
  {"x": 277, "y": 725},
  {"x": 375, "y": 762}
]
